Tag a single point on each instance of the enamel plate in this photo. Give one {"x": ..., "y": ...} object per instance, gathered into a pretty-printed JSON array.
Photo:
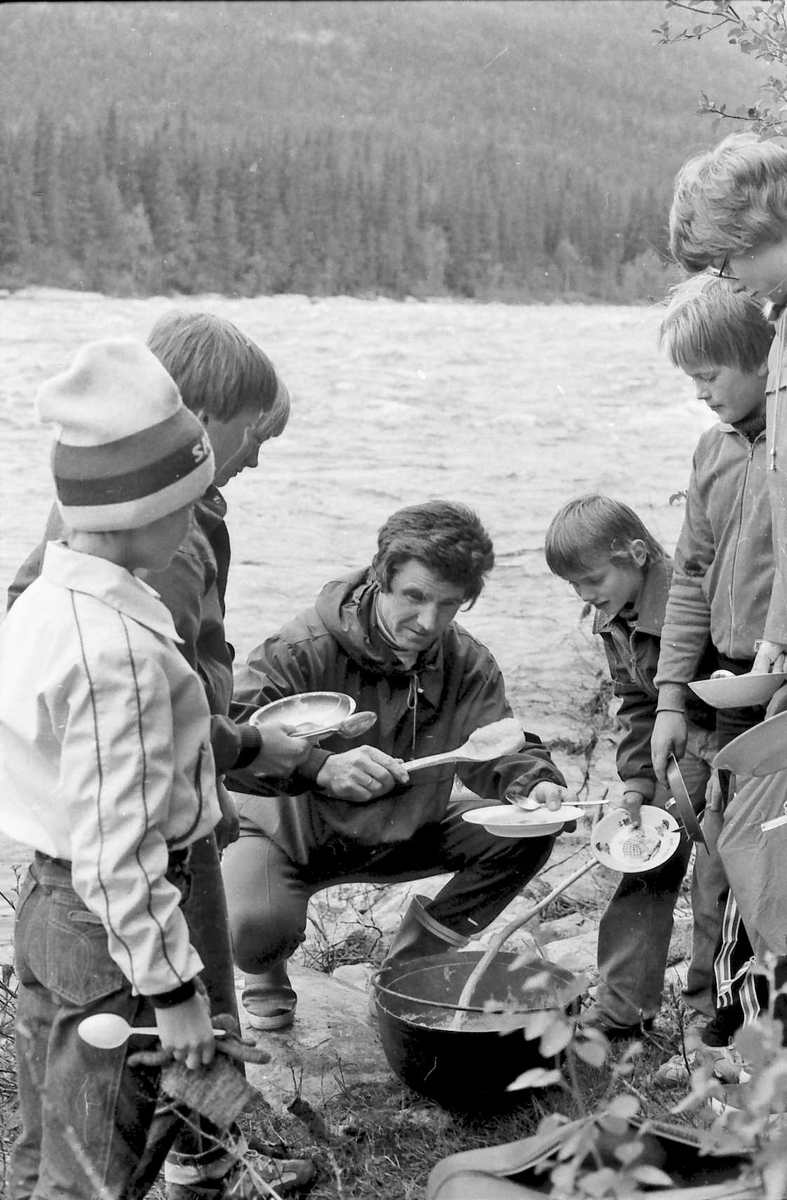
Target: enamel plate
[
  {"x": 617, "y": 844},
  {"x": 506, "y": 820}
]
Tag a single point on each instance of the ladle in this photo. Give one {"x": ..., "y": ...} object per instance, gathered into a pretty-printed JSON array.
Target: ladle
[
  {"x": 490, "y": 741},
  {"x": 107, "y": 1031}
]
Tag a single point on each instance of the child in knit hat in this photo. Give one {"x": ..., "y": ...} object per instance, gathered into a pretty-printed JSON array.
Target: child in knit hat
[
  {"x": 227, "y": 381},
  {"x": 106, "y": 773}
]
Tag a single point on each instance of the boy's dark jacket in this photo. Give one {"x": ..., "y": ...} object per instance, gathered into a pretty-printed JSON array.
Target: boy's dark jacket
[
  {"x": 632, "y": 656},
  {"x": 455, "y": 687}
]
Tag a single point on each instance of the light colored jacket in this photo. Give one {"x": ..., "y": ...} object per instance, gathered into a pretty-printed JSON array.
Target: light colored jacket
[
  {"x": 723, "y": 566},
  {"x": 776, "y": 622},
  {"x": 105, "y": 755}
]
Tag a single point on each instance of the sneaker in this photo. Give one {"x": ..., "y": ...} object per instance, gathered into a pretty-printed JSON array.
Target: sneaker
[
  {"x": 728, "y": 1066},
  {"x": 247, "y": 1180}
]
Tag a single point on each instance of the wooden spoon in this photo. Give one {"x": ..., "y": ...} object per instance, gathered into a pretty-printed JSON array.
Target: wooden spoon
[{"x": 490, "y": 741}]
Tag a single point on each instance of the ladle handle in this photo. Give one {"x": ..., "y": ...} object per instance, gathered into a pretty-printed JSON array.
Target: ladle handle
[
  {"x": 432, "y": 760},
  {"x": 466, "y": 995}
]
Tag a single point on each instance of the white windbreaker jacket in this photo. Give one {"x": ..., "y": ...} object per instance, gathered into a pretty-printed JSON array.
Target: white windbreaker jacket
[{"x": 105, "y": 755}]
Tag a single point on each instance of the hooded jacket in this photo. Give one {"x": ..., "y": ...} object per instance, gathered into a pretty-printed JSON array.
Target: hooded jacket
[
  {"x": 454, "y": 687},
  {"x": 723, "y": 573}
]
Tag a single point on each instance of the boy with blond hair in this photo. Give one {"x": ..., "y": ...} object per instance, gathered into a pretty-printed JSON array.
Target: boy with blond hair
[
  {"x": 729, "y": 214},
  {"x": 107, "y": 775},
  {"x": 724, "y": 565}
]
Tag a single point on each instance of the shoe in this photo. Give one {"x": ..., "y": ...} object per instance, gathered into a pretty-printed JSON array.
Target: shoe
[
  {"x": 728, "y": 1066},
  {"x": 269, "y": 999},
  {"x": 247, "y": 1180},
  {"x": 594, "y": 1019}
]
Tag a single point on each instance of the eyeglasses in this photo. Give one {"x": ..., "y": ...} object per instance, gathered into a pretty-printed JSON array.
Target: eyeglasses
[{"x": 723, "y": 271}]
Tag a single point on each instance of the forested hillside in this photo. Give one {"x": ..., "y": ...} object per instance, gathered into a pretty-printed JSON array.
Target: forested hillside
[{"x": 522, "y": 149}]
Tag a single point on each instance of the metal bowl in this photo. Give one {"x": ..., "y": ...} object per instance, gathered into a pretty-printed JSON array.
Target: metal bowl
[
  {"x": 738, "y": 691},
  {"x": 309, "y": 715}
]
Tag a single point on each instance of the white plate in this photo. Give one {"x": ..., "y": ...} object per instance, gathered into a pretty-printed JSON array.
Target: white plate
[
  {"x": 618, "y": 845},
  {"x": 738, "y": 691},
  {"x": 311, "y": 714},
  {"x": 506, "y": 820}
]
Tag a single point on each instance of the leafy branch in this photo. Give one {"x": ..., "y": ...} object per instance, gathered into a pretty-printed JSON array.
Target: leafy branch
[{"x": 762, "y": 33}]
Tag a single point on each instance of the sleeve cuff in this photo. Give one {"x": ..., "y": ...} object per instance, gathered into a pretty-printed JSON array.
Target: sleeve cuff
[
  {"x": 313, "y": 763},
  {"x": 178, "y": 995},
  {"x": 250, "y": 746}
]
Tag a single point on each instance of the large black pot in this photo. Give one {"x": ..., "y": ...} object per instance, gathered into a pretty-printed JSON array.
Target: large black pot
[{"x": 467, "y": 1069}]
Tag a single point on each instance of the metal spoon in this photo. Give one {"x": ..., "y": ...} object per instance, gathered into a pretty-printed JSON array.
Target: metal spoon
[
  {"x": 356, "y": 724},
  {"x": 530, "y": 805},
  {"x": 107, "y": 1031}
]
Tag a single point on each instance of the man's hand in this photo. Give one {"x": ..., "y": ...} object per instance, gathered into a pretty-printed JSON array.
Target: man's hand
[
  {"x": 360, "y": 774},
  {"x": 670, "y": 732},
  {"x": 281, "y": 754},
  {"x": 771, "y": 656},
  {"x": 228, "y": 827},
  {"x": 551, "y": 795}
]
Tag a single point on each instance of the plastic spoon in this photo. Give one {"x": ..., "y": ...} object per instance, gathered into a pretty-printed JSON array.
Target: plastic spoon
[
  {"x": 107, "y": 1031},
  {"x": 490, "y": 741}
]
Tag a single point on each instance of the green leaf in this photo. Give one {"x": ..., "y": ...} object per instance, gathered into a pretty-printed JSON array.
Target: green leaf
[
  {"x": 534, "y": 1078},
  {"x": 537, "y": 1023},
  {"x": 555, "y": 1039},
  {"x": 652, "y": 1176},
  {"x": 591, "y": 1052},
  {"x": 629, "y": 1152},
  {"x": 623, "y": 1106}
]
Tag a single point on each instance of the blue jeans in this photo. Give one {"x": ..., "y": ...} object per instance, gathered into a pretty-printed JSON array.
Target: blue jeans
[
  {"x": 636, "y": 928},
  {"x": 85, "y": 1113}
]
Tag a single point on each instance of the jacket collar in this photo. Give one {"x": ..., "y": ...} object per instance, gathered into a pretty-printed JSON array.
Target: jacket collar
[
  {"x": 347, "y": 609},
  {"x": 650, "y": 603},
  {"x": 210, "y": 510},
  {"x": 109, "y": 583}
]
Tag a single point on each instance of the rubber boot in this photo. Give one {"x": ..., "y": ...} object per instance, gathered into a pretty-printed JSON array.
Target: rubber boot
[
  {"x": 419, "y": 935},
  {"x": 269, "y": 998}
]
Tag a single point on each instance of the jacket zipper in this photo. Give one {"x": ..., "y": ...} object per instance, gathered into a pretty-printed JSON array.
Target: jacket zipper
[
  {"x": 749, "y": 457},
  {"x": 782, "y": 334}
]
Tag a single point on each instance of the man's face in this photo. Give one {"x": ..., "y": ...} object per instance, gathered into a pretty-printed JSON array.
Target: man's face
[
  {"x": 419, "y": 606},
  {"x": 762, "y": 270},
  {"x": 236, "y": 443},
  {"x": 730, "y": 393}
]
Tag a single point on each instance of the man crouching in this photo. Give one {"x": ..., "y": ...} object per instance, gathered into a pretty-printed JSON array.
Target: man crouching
[{"x": 385, "y": 636}]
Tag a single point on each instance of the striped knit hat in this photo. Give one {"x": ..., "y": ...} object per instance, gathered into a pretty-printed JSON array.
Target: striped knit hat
[{"x": 127, "y": 451}]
